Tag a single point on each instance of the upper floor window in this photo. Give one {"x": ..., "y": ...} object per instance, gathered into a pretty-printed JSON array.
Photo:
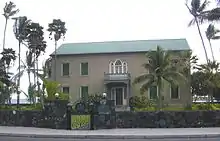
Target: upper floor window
[
  {"x": 65, "y": 69},
  {"x": 84, "y": 68},
  {"x": 118, "y": 66}
]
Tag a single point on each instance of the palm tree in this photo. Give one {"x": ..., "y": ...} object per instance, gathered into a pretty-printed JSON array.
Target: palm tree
[
  {"x": 57, "y": 30},
  {"x": 196, "y": 10},
  {"x": 27, "y": 66},
  {"x": 211, "y": 35},
  {"x": 37, "y": 45},
  {"x": 9, "y": 11},
  {"x": 212, "y": 76},
  {"x": 20, "y": 34},
  {"x": 159, "y": 67}
]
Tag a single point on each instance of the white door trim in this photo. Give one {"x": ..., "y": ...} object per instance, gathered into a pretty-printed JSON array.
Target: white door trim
[{"x": 113, "y": 94}]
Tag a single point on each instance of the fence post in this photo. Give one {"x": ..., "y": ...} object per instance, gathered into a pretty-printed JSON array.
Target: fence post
[{"x": 68, "y": 114}]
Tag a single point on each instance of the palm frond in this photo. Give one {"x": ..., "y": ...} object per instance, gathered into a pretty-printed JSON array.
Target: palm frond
[
  {"x": 144, "y": 77},
  {"x": 144, "y": 87},
  {"x": 203, "y": 6}
]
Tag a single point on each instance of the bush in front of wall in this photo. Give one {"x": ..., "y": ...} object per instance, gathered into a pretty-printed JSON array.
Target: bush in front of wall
[{"x": 139, "y": 102}]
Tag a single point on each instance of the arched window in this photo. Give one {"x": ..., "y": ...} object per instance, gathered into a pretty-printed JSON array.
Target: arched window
[
  {"x": 111, "y": 67},
  {"x": 125, "y": 67},
  {"x": 118, "y": 66}
]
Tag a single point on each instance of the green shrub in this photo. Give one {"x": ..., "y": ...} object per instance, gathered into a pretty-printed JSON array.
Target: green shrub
[
  {"x": 204, "y": 106},
  {"x": 140, "y": 102}
]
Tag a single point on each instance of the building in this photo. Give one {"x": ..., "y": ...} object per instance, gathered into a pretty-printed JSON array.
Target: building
[{"x": 97, "y": 67}]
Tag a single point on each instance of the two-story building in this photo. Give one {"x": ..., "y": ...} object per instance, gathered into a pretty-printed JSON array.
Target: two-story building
[{"x": 97, "y": 67}]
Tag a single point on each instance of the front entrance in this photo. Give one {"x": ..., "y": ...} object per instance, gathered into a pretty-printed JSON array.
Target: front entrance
[{"x": 118, "y": 95}]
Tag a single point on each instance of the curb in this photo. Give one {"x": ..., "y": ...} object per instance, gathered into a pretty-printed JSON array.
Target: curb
[{"x": 110, "y": 136}]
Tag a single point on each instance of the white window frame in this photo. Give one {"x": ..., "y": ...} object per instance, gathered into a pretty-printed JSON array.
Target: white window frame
[
  {"x": 65, "y": 62},
  {"x": 81, "y": 69},
  {"x": 178, "y": 93},
  {"x": 112, "y": 66},
  {"x": 80, "y": 90},
  {"x": 149, "y": 93}
]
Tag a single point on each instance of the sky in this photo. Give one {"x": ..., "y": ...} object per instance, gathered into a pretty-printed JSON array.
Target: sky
[{"x": 109, "y": 20}]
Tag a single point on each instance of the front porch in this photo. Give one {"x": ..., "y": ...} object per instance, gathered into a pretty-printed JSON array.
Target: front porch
[{"x": 119, "y": 90}]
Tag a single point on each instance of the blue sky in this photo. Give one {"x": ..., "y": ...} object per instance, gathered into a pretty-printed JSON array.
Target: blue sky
[{"x": 107, "y": 20}]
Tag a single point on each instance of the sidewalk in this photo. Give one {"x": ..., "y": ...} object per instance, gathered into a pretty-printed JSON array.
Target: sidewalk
[{"x": 135, "y": 133}]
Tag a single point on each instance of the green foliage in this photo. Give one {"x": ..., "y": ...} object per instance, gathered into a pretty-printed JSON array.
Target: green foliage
[
  {"x": 160, "y": 67},
  {"x": 206, "y": 107},
  {"x": 140, "y": 102},
  {"x": 53, "y": 87},
  {"x": 30, "y": 107},
  {"x": 194, "y": 107}
]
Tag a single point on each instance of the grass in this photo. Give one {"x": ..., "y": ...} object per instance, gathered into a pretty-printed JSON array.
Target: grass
[
  {"x": 194, "y": 107},
  {"x": 22, "y": 107}
]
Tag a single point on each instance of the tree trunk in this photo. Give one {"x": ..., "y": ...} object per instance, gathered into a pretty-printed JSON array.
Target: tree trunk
[
  {"x": 38, "y": 86},
  {"x": 203, "y": 44},
  {"x": 159, "y": 85},
  {"x": 34, "y": 97},
  {"x": 211, "y": 50},
  {"x": 19, "y": 71},
  {"x": 29, "y": 80},
  {"x": 4, "y": 36},
  {"x": 55, "y": 61}
]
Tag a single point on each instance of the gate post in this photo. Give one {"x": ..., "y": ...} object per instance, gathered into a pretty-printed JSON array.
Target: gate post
[{"x": 68, "y": 115}]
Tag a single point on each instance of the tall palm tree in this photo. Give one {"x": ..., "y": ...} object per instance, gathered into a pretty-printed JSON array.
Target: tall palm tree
[
  {"x": 37, "y": 45},
  {"x": 159, "y": 67},
  {"x": 196, "y": 9},
  {"x": 20, "y": 26},
  {"x": 27, "y": 66},
  {"x": 211, "y": 35},
  {"x": 57, "y": 30},
  {"x": 9, "y": 11}
]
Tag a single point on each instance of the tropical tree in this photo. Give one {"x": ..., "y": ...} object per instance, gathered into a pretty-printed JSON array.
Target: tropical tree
[
  {"x": 36, "y": 45},
  {"x": 211, "y": 77},
  {"x": 160, "y": 70},
  {"x": 20, "y": 34},
  {"x": 211, "y": 35},
  {"x": 8, "y": 56},
  {"x": 196, "y": 9},
  {"x": 9, "y": 11},
  {"x": 57, "y": 30}
]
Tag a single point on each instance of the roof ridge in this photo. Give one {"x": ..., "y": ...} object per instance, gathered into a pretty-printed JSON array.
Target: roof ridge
[{"x": 115, "y": 41}]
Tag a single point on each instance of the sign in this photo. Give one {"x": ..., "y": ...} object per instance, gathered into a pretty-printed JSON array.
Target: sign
[{"x": 80, "y": 122}]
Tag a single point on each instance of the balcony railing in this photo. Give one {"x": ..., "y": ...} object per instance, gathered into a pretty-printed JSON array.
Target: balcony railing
[{"x": 116, "y": 76}]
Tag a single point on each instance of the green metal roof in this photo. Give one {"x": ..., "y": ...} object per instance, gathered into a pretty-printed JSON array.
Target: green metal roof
[{"x": 121, "y": 46}]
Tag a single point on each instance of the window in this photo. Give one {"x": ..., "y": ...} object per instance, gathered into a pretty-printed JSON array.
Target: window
[
  {"x": 174, "y": 90},
  {"x": 84, "y": 91},
  {"x": 153, "y": 92},
  {"x": 111, "y": 67},
  {"x": 118, "y": 67},
  {"x": 66, "y": 90},
  {"x": 125, "y": 67},
  {"x": 65, "y": 69},
  {"x": 84, "y": 68}
]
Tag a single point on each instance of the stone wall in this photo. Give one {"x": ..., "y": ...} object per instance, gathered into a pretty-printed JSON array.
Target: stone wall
[
  {"x": 183, "y": 119},
  {"x": 53, "y": 116}
]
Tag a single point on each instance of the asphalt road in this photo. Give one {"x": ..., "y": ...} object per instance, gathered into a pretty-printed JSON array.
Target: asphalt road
[{"x": 59, "y": 139}]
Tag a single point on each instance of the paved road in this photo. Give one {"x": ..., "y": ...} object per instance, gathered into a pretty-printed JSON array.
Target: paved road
[{"x": 53, "y": 139}]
